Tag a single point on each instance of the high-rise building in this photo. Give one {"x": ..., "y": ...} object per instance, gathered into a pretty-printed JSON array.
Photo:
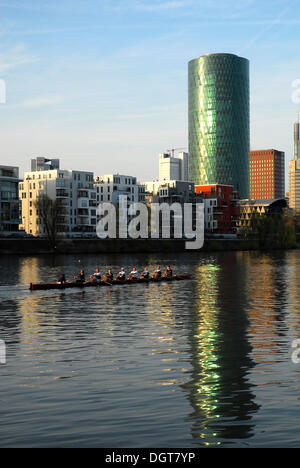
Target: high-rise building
[
  {"x": 219, "y": 121},
  {"x": 9, "y": 199},
  {"x": 297, "y": 140},
  {"x": 294, "y": 173},
  {"x": 267, "y": 174},
  {"x": 174, "y": 168}
]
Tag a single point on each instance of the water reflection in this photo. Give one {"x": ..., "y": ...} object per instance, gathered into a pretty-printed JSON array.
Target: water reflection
[
  {"x": 220, "y": 392},
  {"x": 267, "y": 289}
]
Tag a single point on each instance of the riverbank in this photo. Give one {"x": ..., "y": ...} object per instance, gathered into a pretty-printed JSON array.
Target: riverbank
[{"x": 96, "y": 246}]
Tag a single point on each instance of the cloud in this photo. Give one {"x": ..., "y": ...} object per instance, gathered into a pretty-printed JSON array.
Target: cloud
[
  {"x": 14, "y": 57},
  {"x": 160, "y": 6},
  {"x": 41, "y": 101}
]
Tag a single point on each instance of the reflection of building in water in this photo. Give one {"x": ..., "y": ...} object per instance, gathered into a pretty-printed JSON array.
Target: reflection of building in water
[
  {"x": 220, "y": 391},
  {"x": 293, "y": 275},
  {"x": 29, "y": 270},
  {"x": 267, "y": 294}
]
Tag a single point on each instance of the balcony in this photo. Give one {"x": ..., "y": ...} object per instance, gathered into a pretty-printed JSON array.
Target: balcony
[
  {"x": 82, "y": 213},
  {"x": 62, "y": 193}
]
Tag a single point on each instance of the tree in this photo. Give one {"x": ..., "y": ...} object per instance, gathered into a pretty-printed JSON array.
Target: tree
[{"x": 49, "y": 211}]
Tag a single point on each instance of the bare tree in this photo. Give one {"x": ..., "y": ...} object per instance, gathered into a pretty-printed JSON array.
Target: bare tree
[{"x": 49, "y": 211}]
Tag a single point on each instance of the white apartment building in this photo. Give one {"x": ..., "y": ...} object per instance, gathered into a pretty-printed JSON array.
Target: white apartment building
[
  {"x": 75, "y": 190},
  {"x": 9, "y": 199},
  {"x": 170, "y": 191},
  {"x": 174, "y": 168},
  {"x": 110, "y": 187}
]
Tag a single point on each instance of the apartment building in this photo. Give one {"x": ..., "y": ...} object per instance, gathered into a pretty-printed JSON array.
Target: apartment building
[
  {"x": 77, "y": 195},
  {"x": 170, "y": 191},
  {"x": 221, "y": 210},
  {"x": 110, "y": 187},
  {"x": 9, "y": 199}
]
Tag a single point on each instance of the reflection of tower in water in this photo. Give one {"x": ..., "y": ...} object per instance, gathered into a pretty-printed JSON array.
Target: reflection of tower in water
[{"x": 220, "y": 391}]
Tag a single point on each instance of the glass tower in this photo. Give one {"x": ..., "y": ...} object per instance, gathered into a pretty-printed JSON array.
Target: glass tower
[{"x": 219, "y": 121}]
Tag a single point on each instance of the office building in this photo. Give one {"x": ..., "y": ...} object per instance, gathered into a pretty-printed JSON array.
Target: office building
[
  {"x": 267, "y": 174},
  {"x": 250, "y": 208},
  {"x": 9, "y": 199},
  {"x": 174, "y": 168},
  {"x": 219, "y": 121},
  {"x": 74, "y": 189},
  {"x": 297, "y": 140},
  {"x": 294, "y": 173}
]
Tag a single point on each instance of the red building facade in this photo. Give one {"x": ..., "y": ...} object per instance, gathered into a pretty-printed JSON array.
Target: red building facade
[
  {"x": 220, "y": 207},
  {"x": 267, "y": 178}
]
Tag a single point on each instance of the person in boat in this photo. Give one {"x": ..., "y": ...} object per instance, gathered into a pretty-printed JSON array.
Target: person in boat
[
  {"x": 134, "y": 274},
  {"x": 96, "y": 277},
  {"x": 81, "y": 277},
  {"x": 157, "y": 274},
  {"x": 145, "y": 274},
  {"x": 121, "y": 275},
  {"x": 169, "y": 272},
  {"x": 109, "y": 276},
  {"x": 62, "y": 280}
]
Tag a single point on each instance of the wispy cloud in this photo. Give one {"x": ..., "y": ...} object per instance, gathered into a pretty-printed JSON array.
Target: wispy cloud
[
  {"x": 160, "y": 6},
  {"x": 41, "y": 101},
  {"x": 15, "y": 56},
  {"x": 276, "y": 21}
]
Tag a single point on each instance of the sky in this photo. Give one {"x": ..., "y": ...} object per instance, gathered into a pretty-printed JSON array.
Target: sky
[{"x": 102, "y": 84}]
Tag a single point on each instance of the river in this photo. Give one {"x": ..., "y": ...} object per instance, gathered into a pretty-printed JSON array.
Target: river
[{"x": 200, "y": 363}]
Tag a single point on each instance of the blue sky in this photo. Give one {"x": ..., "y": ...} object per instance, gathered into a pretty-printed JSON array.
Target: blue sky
[{"x": 102, "y": 84}]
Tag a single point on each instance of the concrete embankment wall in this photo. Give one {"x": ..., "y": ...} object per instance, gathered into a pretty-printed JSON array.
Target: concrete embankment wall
[{"x": 95, "y": 246}]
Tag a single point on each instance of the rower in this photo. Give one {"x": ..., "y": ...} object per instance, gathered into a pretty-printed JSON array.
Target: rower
[
  {"x": 121, "y": 275},
  {"x": 109, "y": 276},
  {"x": 169, "y": 272},
  {"x": 134, "y": 274},
  {"x": 145, "y": 274},
  {"x": 62, "y": 280},
  {"x": 81, "y": 277},
  {"x": 96, "y": 276},
  {"x": 157, "y": 273}
]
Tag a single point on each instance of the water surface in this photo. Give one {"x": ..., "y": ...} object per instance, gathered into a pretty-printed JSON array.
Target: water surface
[{"x": 201, "y": 363}]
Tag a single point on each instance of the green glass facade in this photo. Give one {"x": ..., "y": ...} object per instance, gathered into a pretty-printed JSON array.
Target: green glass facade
[{"x": 219, "y": 121}]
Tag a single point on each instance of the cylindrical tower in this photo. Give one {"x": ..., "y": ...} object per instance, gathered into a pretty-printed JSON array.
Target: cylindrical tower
[{"x": 219, "y": 121}]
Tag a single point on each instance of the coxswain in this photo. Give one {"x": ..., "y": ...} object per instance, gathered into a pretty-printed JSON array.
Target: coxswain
[
  {"x": 157, "y": 273},
  {"x": 121, "y": 275},
  {"x": 145, "y": 274},
  {"x": 168, "y": 272},
  {"x": 134, "y": 274},
  {"x": 62, "y": 280}
]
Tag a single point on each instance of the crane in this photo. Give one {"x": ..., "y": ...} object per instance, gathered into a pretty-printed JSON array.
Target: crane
[{"x": 172, "y": 151}]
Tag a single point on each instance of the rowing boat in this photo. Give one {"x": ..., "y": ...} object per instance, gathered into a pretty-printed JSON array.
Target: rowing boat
[{"x": 44, "y": 287}]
